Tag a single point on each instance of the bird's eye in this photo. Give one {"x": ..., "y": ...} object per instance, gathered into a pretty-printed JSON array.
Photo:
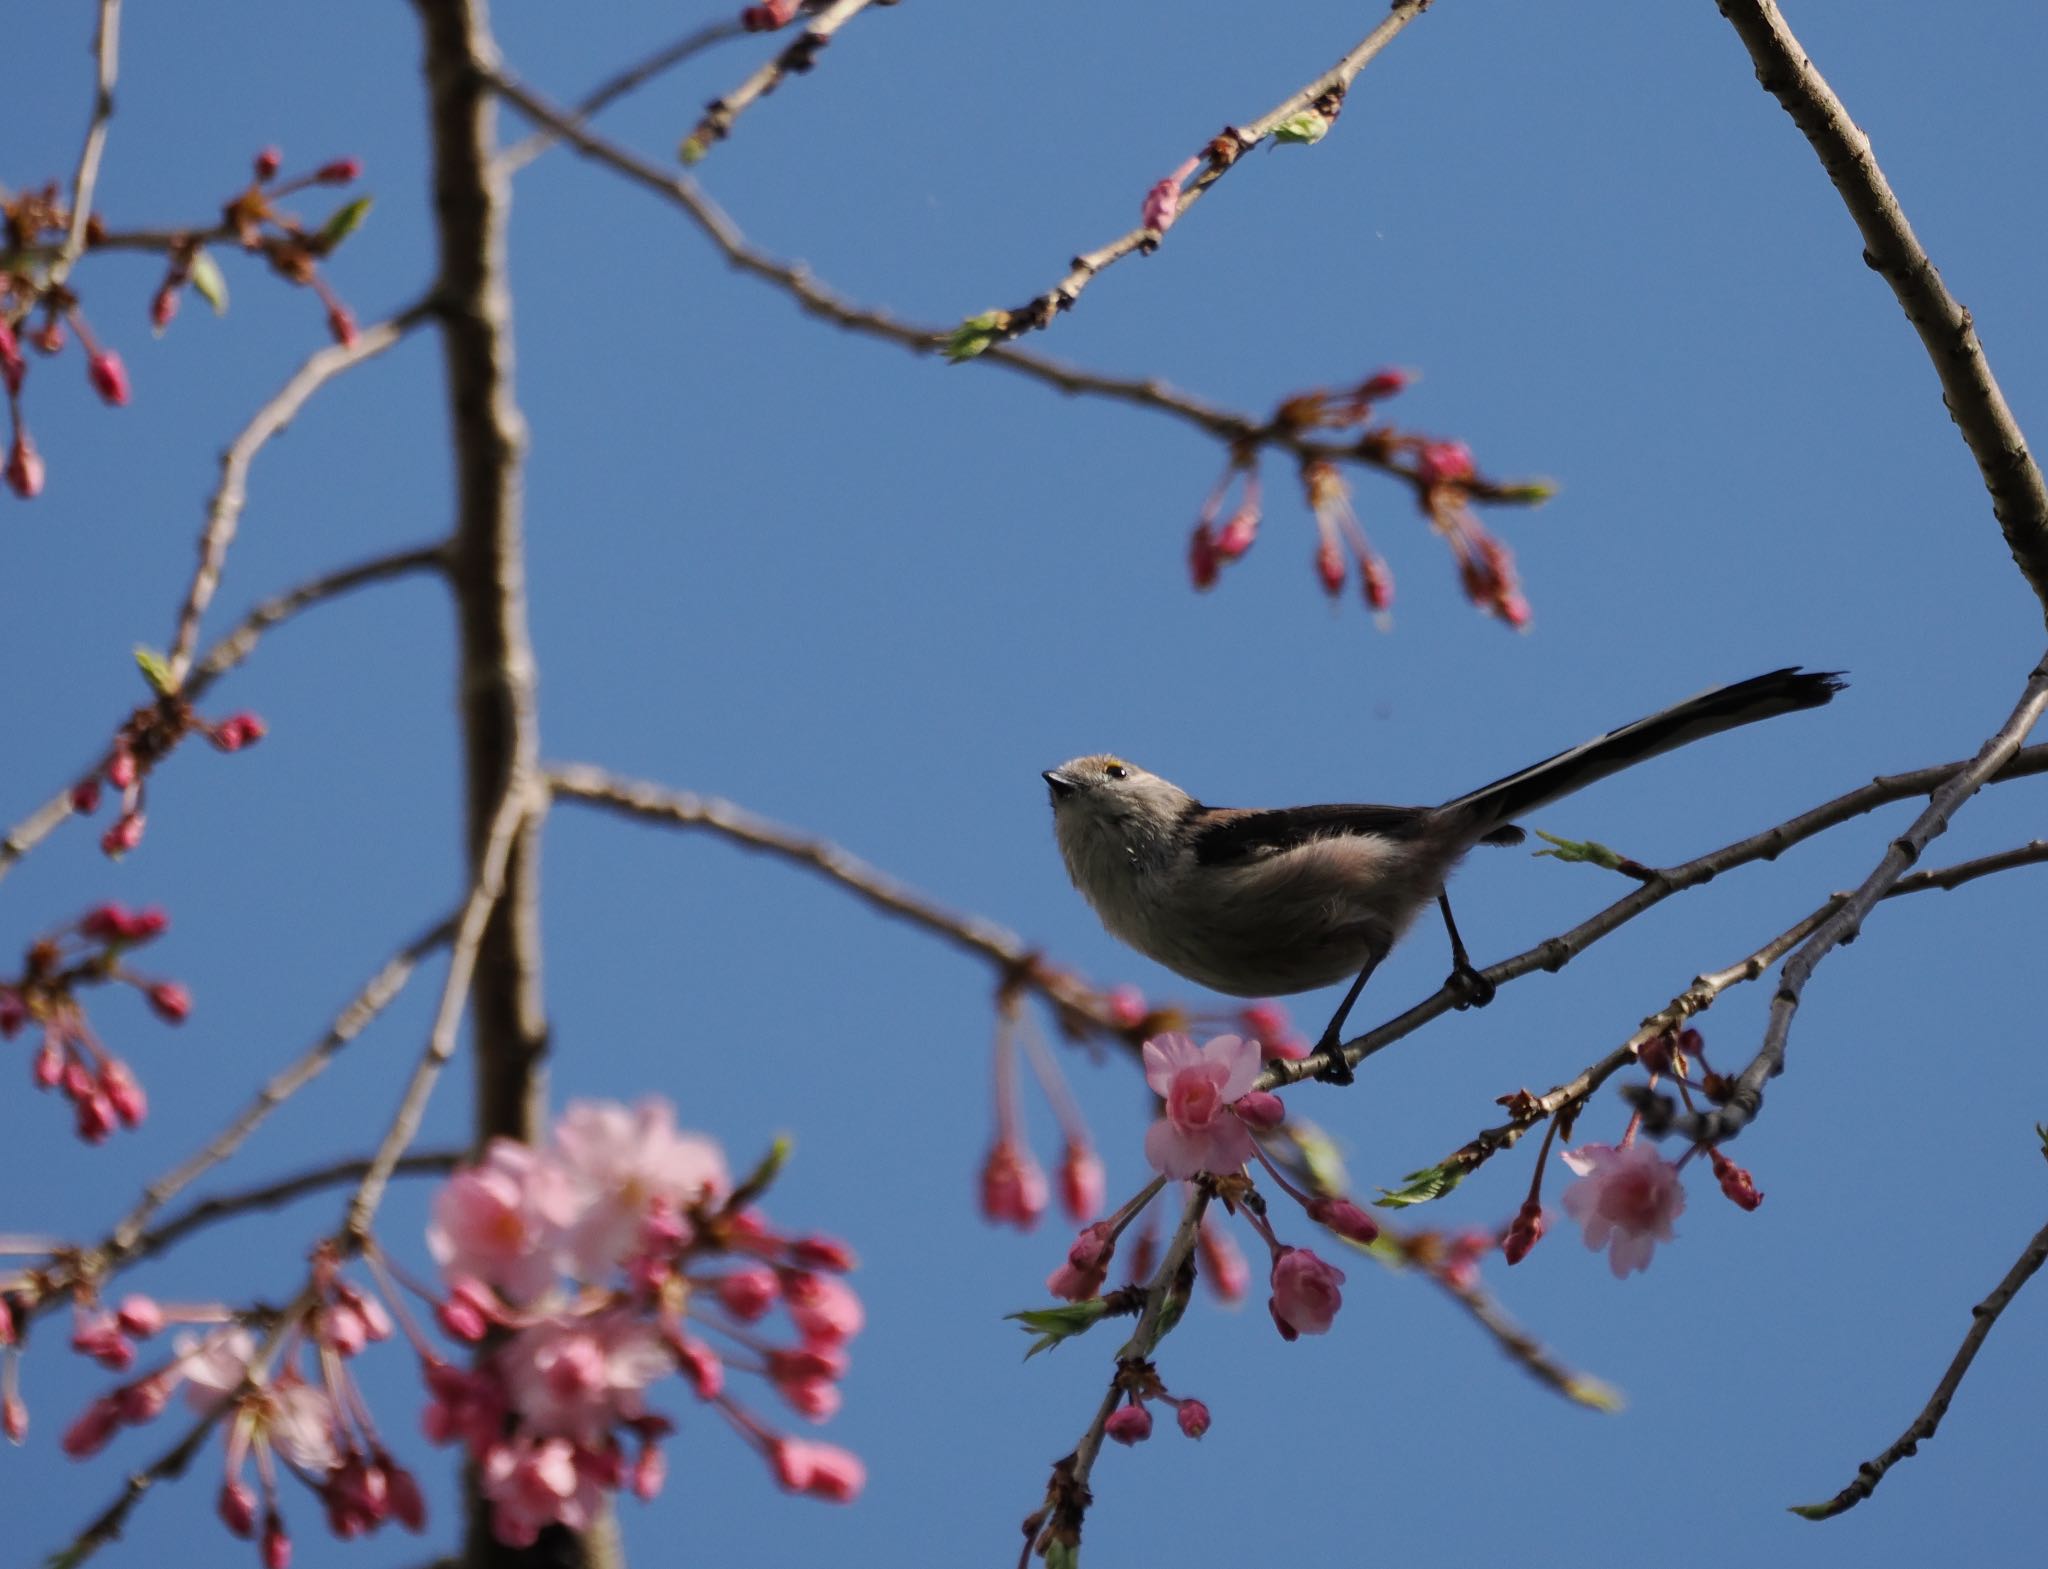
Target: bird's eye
[{"x": 1116, "y": 771}]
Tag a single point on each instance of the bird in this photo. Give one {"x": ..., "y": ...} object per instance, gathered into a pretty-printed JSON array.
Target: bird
[{"x": 1260, "y": 902}]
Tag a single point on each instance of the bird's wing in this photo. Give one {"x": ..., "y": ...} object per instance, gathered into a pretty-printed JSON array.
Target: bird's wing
[{"x": 1231, "y": 836}]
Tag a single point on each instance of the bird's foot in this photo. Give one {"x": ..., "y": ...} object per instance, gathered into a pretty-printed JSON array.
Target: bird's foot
[
  {"x": 1470, "y": 988},
  {"x": 1336, "y": 1070}
]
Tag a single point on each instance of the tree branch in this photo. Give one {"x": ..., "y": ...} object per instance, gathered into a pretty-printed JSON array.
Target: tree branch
[
  {"x": 2019, "y": 497},
  {"x": 224, "y": 511},
  {"x": 1555, "y": 953},
  {"x": 1019, "y": 964},
  {"x": 1325, "y": 95},
  {"x": 1745, "y": 1099},
  {"x": 1982, "y": 1317},
  {"x": 523, "y": 152},
  {"x": 793, "y": 60},
  {"x": 106, "y": 48}
]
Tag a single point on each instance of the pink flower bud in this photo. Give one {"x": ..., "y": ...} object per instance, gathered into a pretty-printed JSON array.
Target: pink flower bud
[
  {"x": 341, "y": 323},
  {"x": 236, "y": 1507},
  {"x": 1238, "y": 532},
  {"x": 121, "y": 768},
  {"x": 1442, "y": 462},
  {"x": 13, "y": 1015},
  {"x": 1129, "y": 1425},
  {"x": 79, "y": 1084},
  {"x": 1082, "y": 1183},
  {"x": 109, "y": 377},
  {"x": 1305, "y": 1293},
  {"x": 1127, "y": 1007},
  {"x": 12, "y": 366},
  {"x": 96, "y": 1424},
  {"x": 122, "y": 1094},
  {"x": 172, "y": 1002},
  {"x": 747, "y": 1293},
  {"x": 1345, "y": 1218},
  {"x": 769, "y": 16},
  {"x": 24, "y": 467},
  {"x": 1223, "y": 1263},
  {"x": 1205, "y": 562},
  {"x": 340, "y": 172},
  {"x": 139, "y": 1316},
  {"x": 822, "y": 1253},
  {"x": 699, "y": 1364},
  {"x": 1737, "y": 1184},
  {"x": 85, "y": 796},
  {"x": 163, "y": 305},
  {"x": 277, "y": 1546},
  {"x": 1260, "y": 1109},
  {"x": 124, "y": 836},
  {"x": 49, "y": 1068},
  {"x": 1330, "y": 567},
  {"x": 148, "y": 922},
  {"x": 468, "y": 1310},
  {"x": 1013, "y": 1187},
  {"x": 268, "y": 162},
  {"x": 143, "y": 1400},
  {"x": 1526, "y": 1231},
  {"x": 13, "y": 1417},
  {"x": 50, "y": 337},
  {"x": 824, "y": 1309},
  {"x": 1193, "y": 1417},
  {"x": 402, "y": 1490},
  {"x": 1378, "y": 582},
  {"x": 104, "y": 922},
  {"x": 95, "y": 1118},
  {"x": 1071, "y": 1283},
  {"x": 650, "y": 1470},
  {"x": 1382, "y": 384}
]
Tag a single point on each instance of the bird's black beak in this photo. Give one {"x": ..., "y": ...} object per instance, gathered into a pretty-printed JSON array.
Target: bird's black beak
[{"x": 1057, "y": 782}]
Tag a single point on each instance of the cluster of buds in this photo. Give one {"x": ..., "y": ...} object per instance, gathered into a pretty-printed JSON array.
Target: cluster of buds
[
  {"x": 1013, "y": 1189},
  {"x": 1131, "y": 1422},
  {"x": 254, "y": 220},
  {"x": 90, "y": 951},
  {"x": 593, "y": 1268},
  {"x": 148, "y": 736},
  {"x": 1441, "y": 474},
  {"x": 37, "y": 226}
]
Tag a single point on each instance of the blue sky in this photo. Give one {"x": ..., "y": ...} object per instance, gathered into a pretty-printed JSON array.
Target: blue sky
[{"x": 873, "y": 596}]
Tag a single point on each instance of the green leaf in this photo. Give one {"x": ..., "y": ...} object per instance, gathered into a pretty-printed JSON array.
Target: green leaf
[
  {"x": 1062, "y": 1555},
  {"x": 1432, "y": 1182},
  {"x": 765, "y": 1172},
  {"x": 1306, "y": 126},
  {"x": 1589, "y": 1391},
  {"x": 346, "y": 221},
  {"x": 1581, "y": 850},
  {"x": 975, "y": 334},
  {"x": 208, "y": 279},
  {"x": 155, "y": 671},
  {"x": 1534, "y": 493},
  {"x": 1054, "y": 1324},
  {"x": 693, "y": 149},
  {"x": 1826, "y": 1511}
]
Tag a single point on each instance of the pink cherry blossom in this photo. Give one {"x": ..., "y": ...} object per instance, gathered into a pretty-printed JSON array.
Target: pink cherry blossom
[
  {"x": 1626, "y": 1199},
  {"x": 624, "y": 1162},
  {"x": 1305, "y": 1295},
  {"x": 504, "y": 1220},
  {"x": 1198, "y": 1083},
  {"x": 824, "y": 1308},
  {"x": 576, "y": 1378}
]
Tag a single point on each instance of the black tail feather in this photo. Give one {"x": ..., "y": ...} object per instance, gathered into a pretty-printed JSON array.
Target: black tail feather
[{"x": 1724, "y": 708}]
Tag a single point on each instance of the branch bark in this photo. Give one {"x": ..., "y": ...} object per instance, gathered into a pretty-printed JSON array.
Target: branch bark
[{"x": 2019, "y": 497}]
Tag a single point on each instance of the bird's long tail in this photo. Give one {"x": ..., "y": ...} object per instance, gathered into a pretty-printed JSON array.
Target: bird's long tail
[{"x": 1723, "y": 708}]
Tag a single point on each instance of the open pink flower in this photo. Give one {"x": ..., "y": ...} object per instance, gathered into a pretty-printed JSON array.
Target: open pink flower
[
  {"x": 1198, "y": 1083},
  {"x": 577, "y": 1378},
  {"x": 1626, "y": 1199},
  {"x": 623, "y": 1162},
  {"x": 502, "y": 1221}
]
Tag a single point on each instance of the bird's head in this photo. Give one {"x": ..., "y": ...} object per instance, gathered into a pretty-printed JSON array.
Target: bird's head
[{"x": 1105, "y": 801}]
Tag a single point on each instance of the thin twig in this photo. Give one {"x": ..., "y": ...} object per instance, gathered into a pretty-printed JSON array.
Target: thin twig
[
  {"x": 1562, "y": 1100},
  {"x": 106, "y": 50},
  {"x": 1003, "y": 948},
  {"x": 1982, "y": 1317},
  {"x": 514, "y": 810},
  {"x": 1554, "y": 953},
  {"x": 523, "y": 152},
  {"x": 1067, "y": 1495},
  {"x": 792, "y": 60},
  {"x": 1745, "y": 1098},
  {"x": 231, "y": 650},
  {"x": 1325, "y": 95},
  {"x": 224, "y": 511},
  {"x": 2019, "y": 496},
  {"x": 108, "y": 1523}
]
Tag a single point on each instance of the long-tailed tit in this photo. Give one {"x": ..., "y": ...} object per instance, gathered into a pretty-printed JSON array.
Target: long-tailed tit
[{"x": 1259, "y": 902}]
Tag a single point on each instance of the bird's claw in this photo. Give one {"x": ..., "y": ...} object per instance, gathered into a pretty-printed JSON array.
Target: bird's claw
[
  {"x": 1474, "y": 989},
  {"x": 1335, "y": 1070}
]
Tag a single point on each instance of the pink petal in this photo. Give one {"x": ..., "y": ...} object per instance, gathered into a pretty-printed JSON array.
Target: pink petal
[
  {"x": 1166, "y": 1055},
  {"x": 1240, "y": 1061}
]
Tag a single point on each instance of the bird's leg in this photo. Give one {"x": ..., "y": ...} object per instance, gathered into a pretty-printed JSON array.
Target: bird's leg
[
  {"x": 1339, "y": 1071},
  {"x": 1477, "y": 988}
]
